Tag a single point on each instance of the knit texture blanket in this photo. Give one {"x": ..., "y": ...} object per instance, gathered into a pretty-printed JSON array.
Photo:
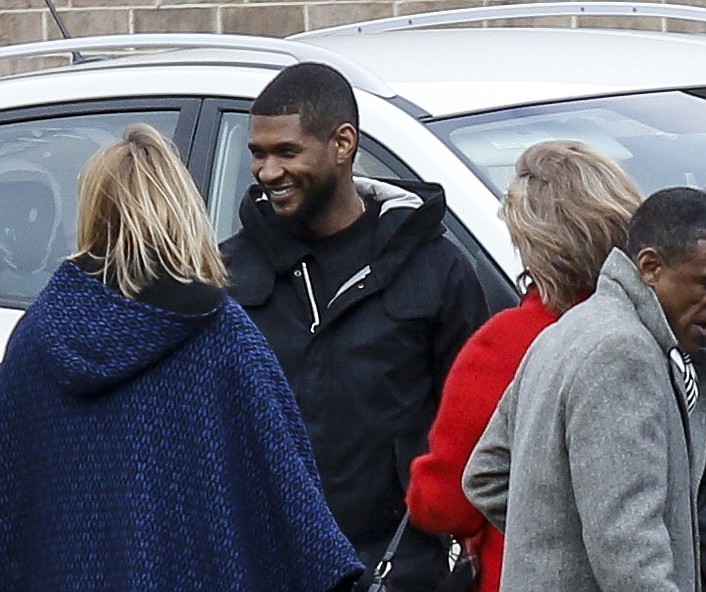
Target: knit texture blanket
[{"x": 145, "y": 450}]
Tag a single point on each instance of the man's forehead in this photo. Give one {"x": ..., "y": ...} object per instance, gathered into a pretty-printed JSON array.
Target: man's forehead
[
  {"x": 275, "y": 121},
  {"x": 277, "y": 128}
]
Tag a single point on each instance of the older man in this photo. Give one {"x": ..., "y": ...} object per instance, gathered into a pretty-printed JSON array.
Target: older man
[{"x": 589, "y": 463}]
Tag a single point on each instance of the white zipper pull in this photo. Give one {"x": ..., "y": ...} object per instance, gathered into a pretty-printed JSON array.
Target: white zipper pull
[
  {"x": 356, "y": 278},
  {"x": 316, "y": 319}
]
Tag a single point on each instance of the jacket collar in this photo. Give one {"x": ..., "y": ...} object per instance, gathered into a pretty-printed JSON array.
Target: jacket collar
[
  {"x": 619, "y": 270},
  {"x": 410, "y": 214},
  {"x": 165, "y": 292}
]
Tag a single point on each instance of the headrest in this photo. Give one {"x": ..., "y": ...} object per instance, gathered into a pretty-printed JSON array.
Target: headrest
[{"x": 28, "y": 221}]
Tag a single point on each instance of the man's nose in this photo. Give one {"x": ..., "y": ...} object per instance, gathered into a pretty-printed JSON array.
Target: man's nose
[{"x": 270, "y": 171}]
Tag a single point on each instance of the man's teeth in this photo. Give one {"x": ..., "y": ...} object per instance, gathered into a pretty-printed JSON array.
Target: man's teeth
[{"x": 280, "y": 192}]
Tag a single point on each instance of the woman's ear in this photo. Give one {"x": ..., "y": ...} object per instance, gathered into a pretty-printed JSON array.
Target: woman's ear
[
  {"x": 650, "y": 263},
  {"x": 346, "y": 141}
]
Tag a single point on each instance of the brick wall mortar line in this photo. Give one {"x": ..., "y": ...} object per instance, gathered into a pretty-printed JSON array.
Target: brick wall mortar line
[
  {"x": 161, "y": 7},
  {"x": 75, "y": 9},
  {"x": 259, "y": 4},
  {"x": 113, "y": 8}
]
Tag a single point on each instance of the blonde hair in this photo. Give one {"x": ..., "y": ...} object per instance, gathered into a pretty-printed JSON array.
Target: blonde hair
[
  {"x": 566, "y": 208},
  {"x": 140, "y": 214}
]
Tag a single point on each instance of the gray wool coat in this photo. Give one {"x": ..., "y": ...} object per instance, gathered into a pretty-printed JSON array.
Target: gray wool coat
[{"x": 591, "y": 464}]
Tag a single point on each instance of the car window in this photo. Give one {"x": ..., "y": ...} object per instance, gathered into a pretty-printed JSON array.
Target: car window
[
  {"x": 39, "y": 165},
  {"x": 657, "y": 138},
  {"x": 231, "y": 176}
]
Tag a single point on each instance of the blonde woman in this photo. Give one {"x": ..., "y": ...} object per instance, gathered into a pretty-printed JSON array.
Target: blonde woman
[
  {"x": 148, "y": 439},
  {"x": 566, "y": 208}
]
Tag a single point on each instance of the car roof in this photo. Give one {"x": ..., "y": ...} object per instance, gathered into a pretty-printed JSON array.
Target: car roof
[
  {"x": 458, "y": 70},
  {"x": 443, "y": 71}
]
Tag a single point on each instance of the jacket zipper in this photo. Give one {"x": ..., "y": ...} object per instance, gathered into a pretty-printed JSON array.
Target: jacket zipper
[
  {"x": 356, "y": 279},
  {"x": 316, "y": 318}
]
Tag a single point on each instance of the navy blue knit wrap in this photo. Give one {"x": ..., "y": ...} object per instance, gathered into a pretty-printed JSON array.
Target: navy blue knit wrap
[{"x": 144, "y": 450}]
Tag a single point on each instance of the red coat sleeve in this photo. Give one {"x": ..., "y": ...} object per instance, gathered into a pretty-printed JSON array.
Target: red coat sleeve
[{"x": 478, "y": 377}]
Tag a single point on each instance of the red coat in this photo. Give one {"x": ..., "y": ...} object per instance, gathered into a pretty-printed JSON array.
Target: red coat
[{"x": 477, "y": 379}]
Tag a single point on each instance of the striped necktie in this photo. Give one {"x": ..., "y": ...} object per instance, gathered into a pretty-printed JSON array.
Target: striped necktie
[{"x": 688, "y": 373}]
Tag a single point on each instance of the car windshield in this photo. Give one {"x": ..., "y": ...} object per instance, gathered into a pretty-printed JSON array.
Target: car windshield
[{"x": 658, "y": 138}]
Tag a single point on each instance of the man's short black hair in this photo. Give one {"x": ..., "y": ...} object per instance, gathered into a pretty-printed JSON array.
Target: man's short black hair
[
  {"x": 321, "y": 96},
  {"x": 671, "y": 221}
]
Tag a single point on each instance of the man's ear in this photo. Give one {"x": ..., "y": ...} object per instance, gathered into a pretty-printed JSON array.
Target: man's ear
[
  {"x": 346, "y": 141},
  {"x": 650, "y": 263}
]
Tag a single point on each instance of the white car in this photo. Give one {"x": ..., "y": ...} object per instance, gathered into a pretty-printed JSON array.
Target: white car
[{"x": 448, "y": 105}]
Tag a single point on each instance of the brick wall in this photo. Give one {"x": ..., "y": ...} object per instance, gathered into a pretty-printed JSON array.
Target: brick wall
[{"x": 22, "y": 21}]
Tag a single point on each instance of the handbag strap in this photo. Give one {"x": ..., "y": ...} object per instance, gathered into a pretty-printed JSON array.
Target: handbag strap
[{"x": 385, "y": 566}]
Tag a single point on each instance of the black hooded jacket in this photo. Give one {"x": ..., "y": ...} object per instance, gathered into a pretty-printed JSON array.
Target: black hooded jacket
[{"x": 367, "y": 367}]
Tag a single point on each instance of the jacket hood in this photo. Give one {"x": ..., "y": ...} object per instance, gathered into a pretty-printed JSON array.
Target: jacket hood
[
  {"x": 94, "y": 338},
  {"x": 410, "y": 213}
]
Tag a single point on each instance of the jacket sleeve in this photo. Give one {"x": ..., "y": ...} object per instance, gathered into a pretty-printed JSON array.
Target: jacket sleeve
[
  {"x": 477, "y": 379},
  {"x": 616, "y": 422},
  {"x": 486, "y": 476}
]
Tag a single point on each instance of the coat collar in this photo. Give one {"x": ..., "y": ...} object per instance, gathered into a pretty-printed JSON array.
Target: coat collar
[
  {"x": 398, "y": 230},
  {"x": 411, "y": 214},
  {"x": 619, "y": 272}
]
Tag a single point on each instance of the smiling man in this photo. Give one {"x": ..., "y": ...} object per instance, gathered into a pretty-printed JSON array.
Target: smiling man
[
  {"x": 592, "y": 462},
  {"x": 363, "y": 300}
]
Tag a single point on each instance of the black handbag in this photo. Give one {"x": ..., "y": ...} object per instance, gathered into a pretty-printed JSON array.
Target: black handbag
[{"x": 463, "y": 576}]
